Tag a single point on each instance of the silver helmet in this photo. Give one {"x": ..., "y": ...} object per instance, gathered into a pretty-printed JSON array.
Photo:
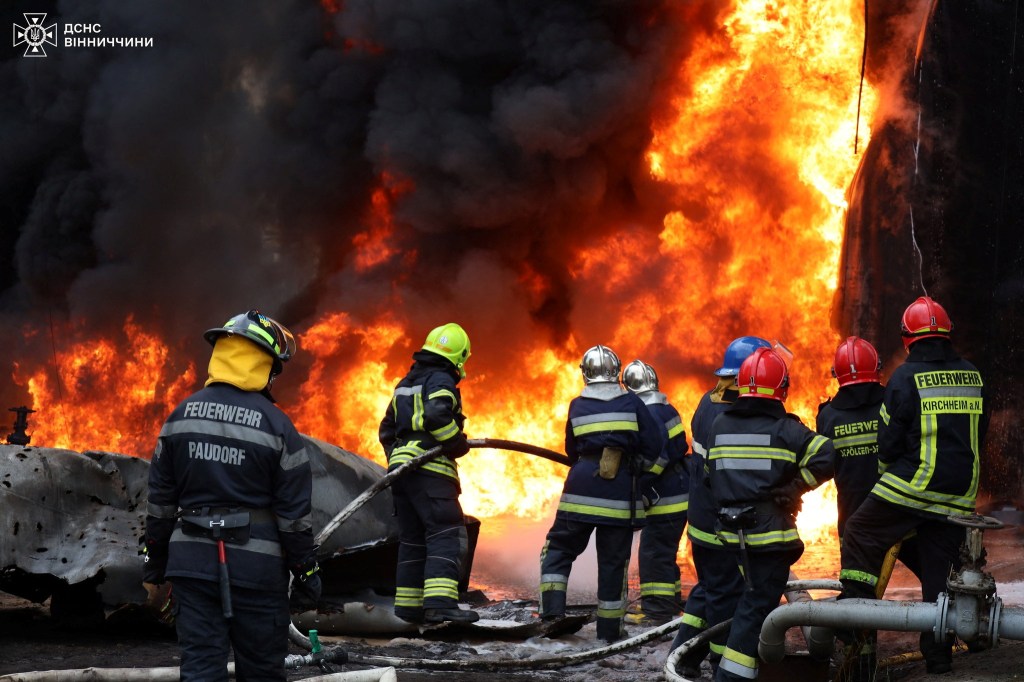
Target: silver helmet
[
  {"x": 600, "y": 364},
  {"x": 639, "y": 377}
]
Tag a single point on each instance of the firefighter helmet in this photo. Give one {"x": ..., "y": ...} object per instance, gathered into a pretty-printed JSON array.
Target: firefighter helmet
[
  {"x": 763, "y": 375},
  {"x": 737, "y": 352},
  {"x": 856, "y": 362},
  {"x": 638, "y": 377},
  {"x": 600, "y": 364},
  {"x": 450, "y": 341},
  {"x": 922, "y": 319},
  {"x": 267, "y": 333}
]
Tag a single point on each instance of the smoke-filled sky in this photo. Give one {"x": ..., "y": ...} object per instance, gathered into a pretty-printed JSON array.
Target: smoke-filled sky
[
  {"x": 232, "y": 164},
  {"x": 658, "y": 176}
]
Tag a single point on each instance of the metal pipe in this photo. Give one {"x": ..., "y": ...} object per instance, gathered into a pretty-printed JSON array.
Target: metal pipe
[
  {"x": 946, "y": 616},
  {"x": 873, "y": 614},
  {"x": 819, "y": 641}
]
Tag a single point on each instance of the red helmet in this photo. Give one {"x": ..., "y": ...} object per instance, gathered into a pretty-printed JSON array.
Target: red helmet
[
  {"x": 856, "y": 362},
  {"x": 763, "y": 375},
  {"x": 922, "y": 319}
]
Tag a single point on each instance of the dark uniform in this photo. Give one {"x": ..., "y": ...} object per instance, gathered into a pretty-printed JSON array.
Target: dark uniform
[
  {"x": 755, "y": 448},
  {"x": 426, "y": 411},
  {"x": 225, "y": 451},
  {"x": 851, "y": 420},
  {"x": 660, "y": 589},
  {"x": 605, "y": 415},
  {"x": 933, "y": 424},
  {"x": 712, "y": 562}
]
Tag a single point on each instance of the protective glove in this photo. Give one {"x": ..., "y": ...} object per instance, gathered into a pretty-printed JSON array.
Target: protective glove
[
  {"x": 788, "y": 495},
  {"x": 456, "y": 447},
  {"x": 307, "y": 587},
  {"x": 160, "y": 601},
  {"x": 154, "y": 565},
  {"x": 650, "y": 498}
]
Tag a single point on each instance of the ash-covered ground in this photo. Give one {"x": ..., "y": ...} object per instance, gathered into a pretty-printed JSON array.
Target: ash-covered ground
[{"x": 31, "y": 639}]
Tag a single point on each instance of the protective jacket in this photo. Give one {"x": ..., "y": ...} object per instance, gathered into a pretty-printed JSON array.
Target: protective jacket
[
  {"x": 426, "y": 411},
  {"x": 850, "y": 420},
  {"x": 226, "y": 451},
  {"x": 605, "y": 415},
  {"x": 672, "y": 484},
  {"x": 757, "y": 447},
  {"x": 703, "y": 512},
  {"x": 933, "y": 424}
]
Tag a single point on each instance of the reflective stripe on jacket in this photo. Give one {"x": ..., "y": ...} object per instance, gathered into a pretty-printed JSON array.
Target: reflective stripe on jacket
[
  {"x": 755, "y": 447},
  {"x": 851, "y": 421},
  {"x": 672, "y": 468},
  {"x": 934, "y": 421},
  {"x": 703, "y": 512},
  {"x": 425, "y": 411},
  {"x": 226, "y": 448},
  {"x": 608, "y": 417}
]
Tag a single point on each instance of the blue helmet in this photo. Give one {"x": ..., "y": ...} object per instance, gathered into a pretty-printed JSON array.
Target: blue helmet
[{"x": 737, "y": 352}]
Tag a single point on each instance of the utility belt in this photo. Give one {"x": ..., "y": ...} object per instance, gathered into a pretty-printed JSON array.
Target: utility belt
[
  {"x": 230, "y": 524},
  {"x": 745, "y": 517}
]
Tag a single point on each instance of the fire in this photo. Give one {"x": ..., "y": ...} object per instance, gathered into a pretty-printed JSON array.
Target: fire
[
  {"x": 756, "y": 152},
  {"x": 108, "y": 394}
]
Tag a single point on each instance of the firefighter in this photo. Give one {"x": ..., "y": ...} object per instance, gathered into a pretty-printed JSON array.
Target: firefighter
[
  {"x": 229, "y": 509},
  {"x": 660, "y": 590},
  {"x": 850, "y": 419},
  {"x": 760, "y": 461},
  {"x": 933, "y": 423},
  {"x": 426, "y": 412},
  {"x": 706, "y": 550},
  {"x": 613, "y": 443}
]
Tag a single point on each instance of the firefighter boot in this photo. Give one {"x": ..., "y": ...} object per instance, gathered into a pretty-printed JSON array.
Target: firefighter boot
[
  {"x": 455, "y": 615},
  {"x": 552, "y": 604},
  {"x": 409, "y": 614},
  {"x": 609, "y": 629},
  {"x": 938, "y": 656}
]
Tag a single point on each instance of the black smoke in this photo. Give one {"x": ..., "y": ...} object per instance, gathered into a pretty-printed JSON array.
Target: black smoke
[{"x": 231, "y": 164}]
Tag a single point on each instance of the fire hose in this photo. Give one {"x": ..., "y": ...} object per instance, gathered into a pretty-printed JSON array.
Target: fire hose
[
  {"x": 497, "y": 665},
  {"x": 413, "y": 464},
  {"x": 417, "y": 462}
]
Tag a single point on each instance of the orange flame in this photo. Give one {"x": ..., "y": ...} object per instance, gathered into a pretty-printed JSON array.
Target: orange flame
[
  {"x": 761, "y": 139},
  {"x": 111, "y": 394}
]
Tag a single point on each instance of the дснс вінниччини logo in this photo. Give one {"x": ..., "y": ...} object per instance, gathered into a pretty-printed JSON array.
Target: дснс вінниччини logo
[{"x": 35, "y": 35}]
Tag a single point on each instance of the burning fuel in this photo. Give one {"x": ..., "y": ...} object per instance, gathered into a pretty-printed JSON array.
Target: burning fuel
[{"x": 661, "y": 177}]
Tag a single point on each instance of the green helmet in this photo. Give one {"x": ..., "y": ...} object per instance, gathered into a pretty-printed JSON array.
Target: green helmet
[
  {"x": 449, "y": 341},
  {"x": 267, "y": 333}
]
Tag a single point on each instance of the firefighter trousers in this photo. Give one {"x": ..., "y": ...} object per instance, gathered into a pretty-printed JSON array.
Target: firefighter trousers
[
  {"x": 660, "y": 595},
  {"x": 769, "y": 573},
  {"x": 565, "y": 541},
  {"x": 876, "y": 526},
  {"x": 432, "y": 544},
  {"x": 718, "y": 578},
  {"x": 258, "y": 632},
  {"x": 872, "y": 530}
]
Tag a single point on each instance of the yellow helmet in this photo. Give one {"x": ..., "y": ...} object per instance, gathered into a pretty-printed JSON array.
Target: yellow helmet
[{"x": 450, "y": 341}]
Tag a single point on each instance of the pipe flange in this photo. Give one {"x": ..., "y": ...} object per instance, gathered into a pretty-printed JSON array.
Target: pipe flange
[
  {"x": 993, "y": 626},
  {"x": 941, "y": 612},
  {"x": 976, "y": 521}
]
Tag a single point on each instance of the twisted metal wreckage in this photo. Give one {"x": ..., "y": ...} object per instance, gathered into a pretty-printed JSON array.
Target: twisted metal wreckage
[{"x": 74, "y": 522}]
